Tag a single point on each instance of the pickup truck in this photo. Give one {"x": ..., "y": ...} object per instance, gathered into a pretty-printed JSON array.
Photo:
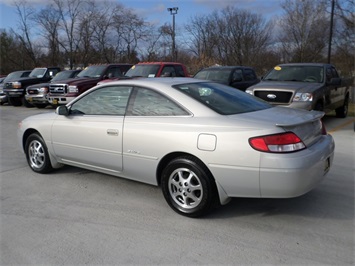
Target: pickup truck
[
  {"x": 239, "y": 77},
  {"x": 15, "y": 89},
  {"x": 63, "y": 92},
  {"x": 11, "y": 77},
  {"x": 37, "y": 94},
  {"x": 157, "y": 69},
  {"x": 310, "y": 86}
]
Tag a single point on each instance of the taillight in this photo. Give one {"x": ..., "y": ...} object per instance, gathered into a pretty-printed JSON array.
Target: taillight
[{"x": 284, "y": 142}]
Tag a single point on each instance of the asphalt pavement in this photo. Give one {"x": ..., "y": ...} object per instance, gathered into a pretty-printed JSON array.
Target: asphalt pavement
[{"x": 78, "y": 217}]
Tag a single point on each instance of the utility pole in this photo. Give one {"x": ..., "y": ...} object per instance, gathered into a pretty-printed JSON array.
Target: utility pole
[
  {"x": 331, "y": 32},
  {"x": 173, "y": 11}
]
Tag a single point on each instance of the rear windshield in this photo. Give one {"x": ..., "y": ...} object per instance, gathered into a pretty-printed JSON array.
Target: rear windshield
[
  {"x": 312, "y": 74},
  {"x": 148, "y": 71},
  {"x": 223, "y": 99}
]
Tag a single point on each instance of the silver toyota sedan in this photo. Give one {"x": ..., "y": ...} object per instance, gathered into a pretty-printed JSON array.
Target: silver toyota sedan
[{"x": 202, "y": 142}]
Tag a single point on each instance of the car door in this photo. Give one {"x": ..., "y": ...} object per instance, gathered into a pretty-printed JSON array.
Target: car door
[
  {"x": 91, "y": 135},
  {"x": 151, "y": 122}
]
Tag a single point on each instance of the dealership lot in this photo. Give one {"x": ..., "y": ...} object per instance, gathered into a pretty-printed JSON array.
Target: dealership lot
[{"x": 74, "y": 216}]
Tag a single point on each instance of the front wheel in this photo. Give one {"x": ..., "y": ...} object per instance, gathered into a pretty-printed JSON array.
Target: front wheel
[
  {"x": 188, "y": 187},
  {"x": 37, "y": 154},
  {"x": 342, "y": 111}
]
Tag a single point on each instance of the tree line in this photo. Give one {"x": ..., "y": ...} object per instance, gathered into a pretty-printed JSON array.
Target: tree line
[{"x": 77, "y": 33}]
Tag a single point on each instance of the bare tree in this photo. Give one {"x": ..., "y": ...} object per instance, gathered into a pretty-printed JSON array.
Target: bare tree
[
  {"x": 345, "y": 37},
  {"x": 130, "y": 30},
  {"x": 48, "y": 21},
  {"x": 70, "y": 11},
  {"x": 26, "y": 15},
  {"x": 305, "y": 29}
]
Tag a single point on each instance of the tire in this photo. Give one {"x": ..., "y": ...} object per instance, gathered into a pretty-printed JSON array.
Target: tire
[
  {"x": 26, "y": 103},
  {"x": 188, "y": 187},
  {"x": 319, "y": 106},
  {"x": 40, "y": 105},
  {"x": 342, "y": 111},
  {"x": 15, "y": 101},
  {"x": 37, "y": 154}
]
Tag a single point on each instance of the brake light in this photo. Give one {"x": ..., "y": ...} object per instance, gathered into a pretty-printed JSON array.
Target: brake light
[{"x": 279, "y": 143}]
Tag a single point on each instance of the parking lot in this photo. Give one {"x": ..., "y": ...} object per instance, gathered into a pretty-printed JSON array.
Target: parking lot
[{"x": 76, "y": 217}]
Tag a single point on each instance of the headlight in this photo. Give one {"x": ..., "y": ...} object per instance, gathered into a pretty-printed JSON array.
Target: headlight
[
  {"x": 303, "y": 97},
  {"x": 16, "y": 85},
  {"x": 249, "y": 91},
  {"x": 43, "y": 90},
  {"x": 73, "y": 89}
]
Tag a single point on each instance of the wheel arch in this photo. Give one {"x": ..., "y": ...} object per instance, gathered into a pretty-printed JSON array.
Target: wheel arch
[
  {"x": 222, "y": 195},
  {"x": 29, "y": 132}
]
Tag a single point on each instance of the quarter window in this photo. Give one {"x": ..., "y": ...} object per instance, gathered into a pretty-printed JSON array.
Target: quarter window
[
  {"x": 103, "y": 101},
  {"x": 150, "y": 103}
]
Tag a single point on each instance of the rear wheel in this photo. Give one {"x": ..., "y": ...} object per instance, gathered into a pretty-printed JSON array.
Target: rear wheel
[
  {"x": 37, "y": 154},
  {"x": 342, "y": 111},
  {"x": 188, "y": 187}
]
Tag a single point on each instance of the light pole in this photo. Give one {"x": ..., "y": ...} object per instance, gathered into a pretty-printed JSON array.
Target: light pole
[{"x": 173, "y": 11}]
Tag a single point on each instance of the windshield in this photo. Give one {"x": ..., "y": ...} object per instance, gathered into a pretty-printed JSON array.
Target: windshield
[
  {"x": 223, "y": 99},
  {"x": 16, "y": 75},
  {"x": 148, "y": 71},
  {"x": 63, "y": 75},
  {"x": 38, "y": 73},
  {"x": 313, "y": 74},
  {"x": 92, "y": 72},
  {"x": 219, "y": 75}
]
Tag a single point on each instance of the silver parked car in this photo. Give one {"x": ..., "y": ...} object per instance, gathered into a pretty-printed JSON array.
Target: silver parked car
[{"x": 202, "y": 142}]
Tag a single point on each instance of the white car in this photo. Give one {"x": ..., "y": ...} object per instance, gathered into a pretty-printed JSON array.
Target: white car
[{"x": 202, "y": 142}]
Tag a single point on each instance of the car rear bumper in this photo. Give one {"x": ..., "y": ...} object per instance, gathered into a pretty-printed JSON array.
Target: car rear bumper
[{"x": 280, "y": 175}]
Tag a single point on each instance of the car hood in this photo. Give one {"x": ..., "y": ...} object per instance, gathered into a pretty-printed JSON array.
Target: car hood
[
  {"x": 40, "y": 85},
  {"x": 286, "y": 86},
  {"x": 76, "y": 81}
]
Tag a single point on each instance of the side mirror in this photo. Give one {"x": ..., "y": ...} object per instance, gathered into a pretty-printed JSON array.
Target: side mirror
[
  {"x": 335, "y": 81},
  {"x": 62, "y": 110}
]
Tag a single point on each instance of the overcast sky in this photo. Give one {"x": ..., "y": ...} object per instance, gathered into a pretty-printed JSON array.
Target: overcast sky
[{"x": 156, "y": 12}]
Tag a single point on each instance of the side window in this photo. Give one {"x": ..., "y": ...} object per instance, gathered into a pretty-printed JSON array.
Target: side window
[
  {"x": 151, "y": 103},
  {"x": 329, "y": 74},
  {"x": 114, "y": 72},
  {"x": 104, "y": 101},
  {"x": 179, "y": 71},
  {"x": 168, "y": 71},
  {"x": 237, "y": 75},
  {"x": 334, "y": 73},
  {"x": 249, "y": 74}
]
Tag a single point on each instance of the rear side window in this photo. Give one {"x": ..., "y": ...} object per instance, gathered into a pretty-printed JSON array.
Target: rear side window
[
  {"x": 223, "y": 99},
  {"x": 249, "y": 74},
  {"x": 150, "y": 103}
]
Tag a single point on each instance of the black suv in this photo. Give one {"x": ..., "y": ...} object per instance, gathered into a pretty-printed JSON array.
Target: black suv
[{"x": 239, "y": 77}]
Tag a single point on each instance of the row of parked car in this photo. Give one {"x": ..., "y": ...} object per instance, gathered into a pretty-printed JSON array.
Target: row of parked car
[{"x": 307, "y": 86}]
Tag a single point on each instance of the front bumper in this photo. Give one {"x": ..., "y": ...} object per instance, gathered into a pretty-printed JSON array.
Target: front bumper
[
  {"x": 59, "y": 100},
  {"x": 14, "y": 92},
  {"x": 42, "y": 99},
  {"x": 298, "y": 105}
]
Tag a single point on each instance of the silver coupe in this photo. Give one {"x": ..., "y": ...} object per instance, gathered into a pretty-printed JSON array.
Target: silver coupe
[{"x": 202, "y": 142}]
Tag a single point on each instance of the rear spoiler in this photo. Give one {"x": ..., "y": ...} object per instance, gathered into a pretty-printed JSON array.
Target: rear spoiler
[{"x": 311, "y": 116}]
